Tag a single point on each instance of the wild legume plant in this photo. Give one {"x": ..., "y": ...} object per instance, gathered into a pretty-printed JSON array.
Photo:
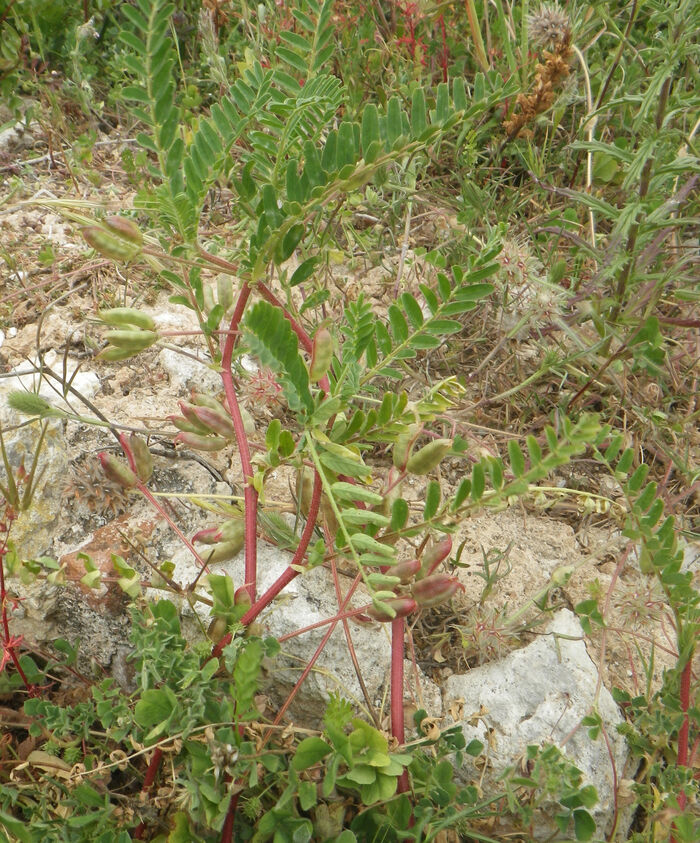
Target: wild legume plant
[{"x": 283, "y": 137}]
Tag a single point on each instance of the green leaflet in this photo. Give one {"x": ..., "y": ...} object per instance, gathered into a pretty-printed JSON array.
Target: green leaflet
[{"x": 272, "y": 340}]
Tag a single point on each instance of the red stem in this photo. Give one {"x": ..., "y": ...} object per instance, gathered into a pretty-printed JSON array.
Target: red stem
[
  {"x": 148, "y": 780},
  {"x": 8, "y": 646},
  {"x": 397, "y": 725},
  {"x": 313, "y": 659},
  {"x": 128, "y": 453},
  {"x": 227, "y": 830},
  {"x": 289, "y": 573},
  {"x": 341, "y": 616},
  {"x": 250, "y": 495}
]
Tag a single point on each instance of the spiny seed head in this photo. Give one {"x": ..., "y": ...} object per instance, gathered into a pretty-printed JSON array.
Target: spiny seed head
[{"x": 549, "y": 26}]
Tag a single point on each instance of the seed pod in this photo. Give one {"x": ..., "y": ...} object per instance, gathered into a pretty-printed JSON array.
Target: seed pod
[
  {"x": 127, "y": 316},
  {"x": 112, "y": 354},
  {"x": 242, "y": 598},
  {"x": 232, "y": 530},
  {"x": 248, "y": 421},
  {"x": 181, "y": 424},
  {"x": 215, "y": 421},
  {"x": 188, "y": 411},
  {"x": 435, "y": 554},
  {"x": 435, "y": 589},
  {"x": 133, "y": 340},
  {"x": 142, "y": 457},
  {"x": 124, "y": 228},
  {"x": 401, "y": 607},
  {"x": 321, "y": 354},
  {"x": 394, "y": 486},
  {"x": 209, "y": 535},
  {"x": 108, "y": 244},
  {"x": 201, "y": 399},
  {"x": 224, "y": 291},
  {"x": 428, "y": 457},
  {"x": 405, "y": 571},
  {"x": 304, "y": 489},
  {"x": 208, "y": 296},
  {"x": 117, "y": 471},
  {"x": 200, "y": 442},
  {"x": 223, "y": 551},
  {"x": 404, "y": 444},
  {"x": 217, "y": 629}
]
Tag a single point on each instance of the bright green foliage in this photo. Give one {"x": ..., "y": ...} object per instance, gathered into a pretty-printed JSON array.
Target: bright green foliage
[
  {"x": 273, "y": 341},
  {"x": 301, "y": 136}
]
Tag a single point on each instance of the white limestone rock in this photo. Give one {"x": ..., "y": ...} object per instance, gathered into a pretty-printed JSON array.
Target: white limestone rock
[{"x": 539, "y": 695}]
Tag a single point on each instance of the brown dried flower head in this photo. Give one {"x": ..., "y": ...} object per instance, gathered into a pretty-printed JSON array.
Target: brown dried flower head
[{"x": 549, "y": 26}]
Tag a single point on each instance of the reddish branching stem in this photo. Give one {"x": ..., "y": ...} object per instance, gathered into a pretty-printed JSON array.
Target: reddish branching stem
[
  {"x": 10, "y": 644},
  {"x": 250, "y": 495},
  {"x": 684, "y": 731},
  {"x": 155, "y": 503},
  {"x": 289, "y": 573},
  {"x": 397, "y": 724},
  {"x": 148, "y": 780}
]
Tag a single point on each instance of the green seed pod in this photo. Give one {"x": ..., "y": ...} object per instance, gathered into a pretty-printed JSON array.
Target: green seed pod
[
  {"x": 183, "y": 425},
  {"x": 224, "y": 291},
  {"x": 217, "y": 629},
  {"x": 208, "y": 296},
  {"x": 200, "y": 442},
  {"x": 242, "y": 598},
  {"x": 232, "y": 530},
  {"x": 201, "y": 399},
  {"x": 404, "y": 444},
  {"x": 133, "y": 340},
  {"x": 188, "y": 411},
  {"x": 124, "y": 228},
  {"x": 304, "y": 489},
  {"x": 394, "y": 486},
  {"x": 142, "y": 457},
  {"x": 321, "y": 354},
  {"x": 127, "y": 316},
  {"x": 428, "y": 457},
  {"x": 646, "y": 564},
  {"x": 109, "y": 245},
  {"x": 223, "y": 551},
  {"x": 248, "y": 421},
  {"x": 112, "y": 354},
  {"x": 399, "y": 606},
  {"x": 116, "y": 471}
]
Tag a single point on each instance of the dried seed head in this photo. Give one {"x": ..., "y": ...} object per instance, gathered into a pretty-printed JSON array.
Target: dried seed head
[{"x": 549, "y": 26}]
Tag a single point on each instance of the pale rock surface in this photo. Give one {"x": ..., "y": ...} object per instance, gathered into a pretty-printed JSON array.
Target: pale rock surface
[
  {"x": 309, "y": 598},
  {"x": 539, "y": 695},
  {"x": 187, "y": 373},
  {"x": 28, "y": 378},
  {"x": 534, "y": 547},
  {"x": 33, "y": 529}
]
